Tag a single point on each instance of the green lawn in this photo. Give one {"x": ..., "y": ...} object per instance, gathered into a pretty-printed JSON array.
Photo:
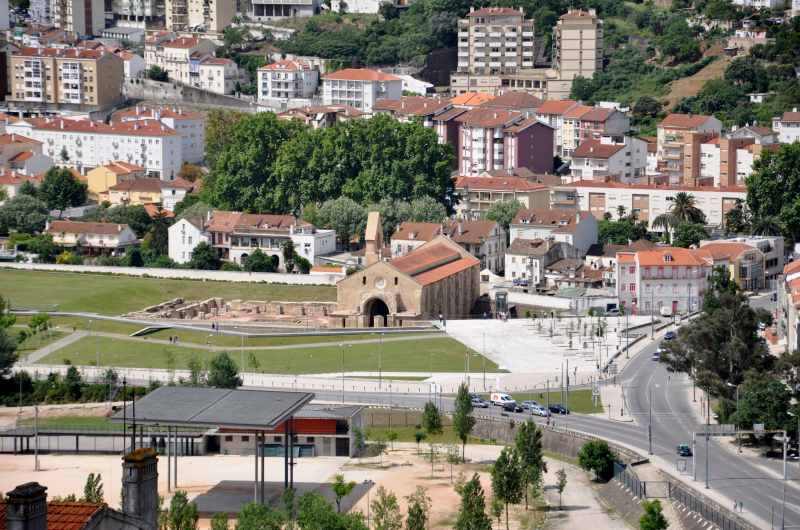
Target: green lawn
[
  {"x": 113, "y": 295},
  {"x": 37, "y": 341},
  {"x": 437, "y": 354},
  {"x": 74, "y": 422},
  {"x": 580, "y": 401},
  {"x": 233, "y": 341}
]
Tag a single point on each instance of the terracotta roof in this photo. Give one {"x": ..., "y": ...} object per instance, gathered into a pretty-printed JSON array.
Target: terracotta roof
[
  {"x": 139, "y": 112},
  {"x": 489, "y": 11},
  {"x": 610, "y": 250},
  {"x": 287, "y": 65},
  {"x": 360, "y": 74},
  {"x": 69, "y": 53},
  {"x": 674, "y": 257},
  {"x": 119, "y": 167},
  {"x": 450, "y": 114},
  {"x": 217, "y": 61},
  {"x": 63, "y": 515},
  {"x": 597, "y": 149},
  {"x": 566, "y": 264},
  {"x": 412, "y": 105},
  {"x": 22, "y": 156},
  {"x": 761, "y": 131},
  {"x": 577, "y": 112},
  {"x": 181, "y": 42},
  {"x": 791, "y": 267},
  {"x": 714, "y": 140},
  {"x": 8, "y": 118},
  {"x": 498, "y": 183},
  {"x": 621, "y": 185},
  {"x": 130, "y": 128},
  {"x": 626, "y": 257},
  {"x": 12, "y": 178},
  {"x": 790, "y": 117},
  {"x": 525, "y": 124},
  {"x": 598, "y": 115},
  {"x": 177, "y": 183},
  {"x": 81, "y": 227},
  {"x": 328, "y": 269},
  {"x": 440, "y": 273},
  {"x": 265, "y": 221},
  {"x": 556, "y": 106},
  {"x": 470, "y": 232},
  {"x": 547, "y": 217},
  {"x": 527, "y": 247},
  {"x": 12, "y": 138},
  {"x": 488, "y": 118},
  {"x": 141, "y": 184},
  {"x": 684, "y": 121},
  {"x": 726, "y": 250},
  {"x": 514, "y": 100},
  {"x": 471, "y": 99},
  {"x": 346, "y": 110},
  {"x": 411, "y": 231},
  {"x": 152, "y": 211},
  {"x": 426, "y": 258}
]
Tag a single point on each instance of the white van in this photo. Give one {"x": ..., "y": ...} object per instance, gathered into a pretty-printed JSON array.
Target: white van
[{"x": 499, "y": 399}]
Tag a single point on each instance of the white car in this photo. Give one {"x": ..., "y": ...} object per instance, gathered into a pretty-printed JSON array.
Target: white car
[{"x": 539, "y": 410}]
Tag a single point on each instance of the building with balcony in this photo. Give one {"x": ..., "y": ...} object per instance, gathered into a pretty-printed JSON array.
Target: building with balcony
[
  {"x": 728, "y": 161},
  {"x": 211, "y": 16},
  {"x": 64, "y": 79},
  {"x": 771, "y": 247},
  {"x": 577, "y": 49},
  {"x": 578, "y": 228},
  {"x": 287, "y": 80},
  {"x": 180, "y": 57},
  {"x": 678, "y": 144},
  {"x": 582, "y": 123},
  {"x": 264, "y": 11},
  {"x": 82, "y": 17},
  {"x": 787, "y": 126},
  {"x": 478, "y": 194},
  {"x": 360, "y": 88},
  {"x": 605, "y": 159},
  {"x": 320, "y": 116},
  {"x": 103, "y": 177},
  {"x": 142, "y": 191},
  {"x": 141, "y": 14},
  {"x": 190, "y": 126},
  {"x": 92, "y": 238}
]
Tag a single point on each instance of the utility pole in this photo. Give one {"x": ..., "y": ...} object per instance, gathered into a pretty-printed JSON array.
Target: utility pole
[
  {"x": 708, "y": 427},
  {"x": 36, "y": 437},
  {"x": 650, "y": 424},
  {"x": 652, "y": 314}
]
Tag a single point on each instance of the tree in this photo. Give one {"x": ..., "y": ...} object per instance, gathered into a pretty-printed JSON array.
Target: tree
[
  {"x": 60, "y": 189},
  {"x": 219, "y": 130},
  {"x": 507, "y": 478},
  {"x": 156, "y": 73},
  {"x": 386, "y": 510},
  {"x": 748, "y": 73},
  {"x": 93, "y": 489},
  {"x": 653, "y": 518},
  {"x": 763, "y": 398},
  {"x": 219, "y": 521},
  {"x": 288, "y": 255},
  {"x": 182, "y": 514},
  {"x": 646, "y": 107},
  {"x": 302, "y": 264},
  {"x": 133, "y": 257},
  {"x": 259, "y": 262},
  {"x": 773, "y": 190},
  {"x": 157, "y": 238},
  {"x": 528, "y": 444},
  {"x": 23, "y": 213},
  {"x": 255, "y": 516},
  {"x": 597, "y": 456},
  {"x": 223, "y": 372},
  {"x": 133, "y": 215},
  {"x": 345, "y": 216},
  {"x": 341, "y": 489},
  {"x": 204, "y": 257},
  {"x": 463, "y": 422},
  {"x": 561, "y": 484},
  {"x": 504, "y": 212},
  {"x": 496, "y": 508},
  {"x": 472, "y": 509},
  {"x": 28, "y": 188},
  {"x": 392, "y": 436},
  {"x": 419, "y": 436},
  {"x": 419, "y": 507},
  {"x": 736, "y": 221},
  {"x": 683, "y": 210},
  {"x": 426, "y": 210},
  {"x": 688, "y": 234},
  {"x": 431, "y": 419},
  {"x": 621, "y": 232},
  {"x": 316, "y": 513}
]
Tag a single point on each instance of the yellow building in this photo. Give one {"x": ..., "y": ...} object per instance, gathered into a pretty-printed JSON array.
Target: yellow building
[{"x": 101, "y": 178}]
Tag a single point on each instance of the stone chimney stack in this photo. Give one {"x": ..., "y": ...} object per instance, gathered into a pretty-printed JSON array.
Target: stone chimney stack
[
  {"x": 140, "y": 486},
  {"x": 26, "y": 507}
]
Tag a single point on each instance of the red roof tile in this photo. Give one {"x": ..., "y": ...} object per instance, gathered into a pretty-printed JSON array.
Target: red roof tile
[
  {"x": 410, "y": 231},
  {"x": 596, "y": 149},
  {"x": 471, "y": 99},
  {"x": 490, "y": 11},
  {"x": 440, "y": 273},
  {"x": 81, "y": 227},
  {"x": 674, "y": 257},
  {"x": 63, "y": 515},
  {"x": 556, "y": 106},
  {"x": 489, "y": 118},
  {"x": 360, "y": 74},
  {"x": 287, "y": 65},
  {"x": 621, "y": 185},
  {"x": 684, "y": 121},
  {"x": 726, "y": 250},
  {"x": 514, "y": 100},
  {"x": 7, "y": 139},
  {"x": 426, "y": 258},
  {"x": 497, "y": 183}
]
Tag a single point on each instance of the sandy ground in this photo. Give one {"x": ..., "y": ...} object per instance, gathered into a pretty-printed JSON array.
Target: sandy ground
[{"x": 10, "y": 415}]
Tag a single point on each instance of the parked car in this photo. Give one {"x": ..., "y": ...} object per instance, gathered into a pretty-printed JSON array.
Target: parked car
[
  {"x": 613, "y": 312},
  {"x": 657, "y": 353},
  {"x": 511, "y": 406},
  {"x": 479, "y": 403},
  {"x": 670, "y": 335},
  {"x": 539, "y": 410},
  {"x": 527, "y": 405},
  {"x": 558, "y": 408},
  {"x": 499, "y": 399},
  {"x": 684, "y": 450}
]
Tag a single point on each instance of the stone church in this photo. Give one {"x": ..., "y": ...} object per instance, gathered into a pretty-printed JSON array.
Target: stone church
[{"x": 437, "y": 278}]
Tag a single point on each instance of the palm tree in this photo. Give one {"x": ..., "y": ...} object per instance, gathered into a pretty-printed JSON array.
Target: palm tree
[
  {"x": 683, "y": 210},
  {"x": 769, "y": 225}
]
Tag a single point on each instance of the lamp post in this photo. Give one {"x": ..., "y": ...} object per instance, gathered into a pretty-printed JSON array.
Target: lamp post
[{"x": 738, "y": 436}]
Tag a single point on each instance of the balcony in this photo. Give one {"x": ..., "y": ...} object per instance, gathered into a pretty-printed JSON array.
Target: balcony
[
  {"x": 495, "y": 34},
  {"x": 527, "y": 34}
]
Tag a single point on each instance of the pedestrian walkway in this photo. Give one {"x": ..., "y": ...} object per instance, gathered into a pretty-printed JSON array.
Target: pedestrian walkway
[{"x": 44, "y": 351}]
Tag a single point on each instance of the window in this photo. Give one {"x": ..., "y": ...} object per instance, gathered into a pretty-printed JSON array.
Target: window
[
  {"x": 310, "y": 439},
  {"x": 632, "y": 288},
  {"x": 363, "y": 280},
  {"x": 245, "y": 438},
  {"x": 276, "y": 438},
  {"x": 229, "y": 438}
]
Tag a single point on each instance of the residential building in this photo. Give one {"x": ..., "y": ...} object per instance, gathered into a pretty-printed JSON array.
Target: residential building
[
  {"x": 92, "y": 238},
  {"x": 105, "y": 176},
  {"x": 789, "y": 303},
  {"x": 409, "y": 236},
  {"x": 497, "y": 139},
  {"x": 663, "y": 280},
  {"x": 86, "y": 144},
  {"x": 211, "y": 16},
  {"x": 266, "y": 10},
  {"x": 571, "y": 273},
  {"x": 605, "y": 160},
  {"x": 604, "y": 257},
  {"x": 82, "y": 17},
  {"x": 578, "y": 228},
  {"x": 287, "y": 80},
  {"x": 645, "y": 201},
  {"x": 184, "y": 235},
  {"x": 787, "y": 126},
  {"x": 726, "y": 161},
  {"x": 39, "y": 11},
  {"x": 143, "y": 191},
  {"x": 216, "y": 74},
  {"x": 744, "y": 38},
  {"x": 180, "y": 57},
  {"x": 478, "y": 194},
  {"x": 133, "y": 66},
  {"x": 678, "y": 144},
  {"x": 577, "y": 49},
  {"x": 23, "y": 155},
  {"x": 190, "y": 126},
  {"x": 359, "y": 88},
  {"x": 141, "y": 14},
  {"x": 760, "y": 135},
  {"x": 119, "y": 34},
  {"x": 652, "y": 155},
  {"x": 760, "y": 4},
  {"x": 583, "y": 123},
  {"x": 552, "y": 113},
  {"x": 771, "y": 247},
  {"x": 515, "y": 100},
  {"x": 744, "y": 263},
  {"x": 72, "y": 79},
  {"x": 322, "y": 116},
  {"x": 414, "y": 108},
  {"x": 11, "y": 181},
  {"x": 527, "y": 259}
]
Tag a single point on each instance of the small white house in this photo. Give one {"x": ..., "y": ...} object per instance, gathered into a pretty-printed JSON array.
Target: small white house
[
  {"x": 184, "y": 235},
  {"x": 92, "y": 238},
  {"x": 360, "y": 88}
]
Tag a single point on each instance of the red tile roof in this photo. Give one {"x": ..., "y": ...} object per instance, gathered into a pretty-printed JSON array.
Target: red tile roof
[
  {"x": 470, "y": 232},
  {"x": 412, "y": 105},
  {"x": 410, "y": 231},
  {"x": 181, "y": 42},
  {"x": 490, "y": 11},
  {"x": 726, "y": 250},
  {"x": 577, "y": 112},
  {"x": 7, "y": 139},
  {"x": 791, "y": 267},
  {"x": 440, "y": 273},
  {"x": 81, "y": 227},
  {"x": 621, "y": 185},
  {"x": 360, "y": 74},
  {"x": 674, "y": 257},
  {"x": 22, "y": 156},
  {"x": 63, "y": 515},
  {"x": 119, "y": 167},
  {"x": 142, "y": 185},
  {"x": 684, "y": 121},
  {"x": 497, "y": 183},
  {"x": 471, "y": 99},
  {"x": 557, "y": 106},
  {"x": 489, "y": 118},
  {"x": 790, "y": 117},
  {"x": 514, "y": 100},
  {"x": 287, "y": 65},
  {"x": 152, "y": 211},
  {"x": 175, "y": 113},
  {"x": 12, "y": 178},
  {"x": 69, "y": 53},
  {"x": 597, "y": 149},
  {"x": 426, "y": 258},
  {"x": 546, "y": 216},
  {"x": 129, "y": 128},
  {"x": 598, "y": 115},
  {"x": 217, "y": 61}
]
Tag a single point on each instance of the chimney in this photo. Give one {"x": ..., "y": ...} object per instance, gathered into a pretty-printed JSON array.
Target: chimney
[
  {"x": 26, "y": 507},
  {"x": 140, "y": 486},
  {"x": 460, "y": 228},
  {"x": 62, "y": 124}
]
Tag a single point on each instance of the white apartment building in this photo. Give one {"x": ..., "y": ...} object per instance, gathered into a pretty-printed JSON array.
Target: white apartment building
[
  {"x": 216, "y": 74},
  {"x": 552, "y": 113},
  {"x": 22, "y": 155},
  {"x": 287, "y": 80},
  {"x": 646, "y": 201},
  {"x": 606, "y": 159},
  {"x": 82, "y": 17},
  {"x": 663, "y": 279},
  {"x": 191, "y": 126},
  {"x": 360, "y": 88},
  {"x": 578, "y": 228},
  {"x": 266, "y": 10},
  {"x": 527, "y": 259},
  {"x": 212, "y": 16},
  {"x": 184, "y": 235},
  {"x": 582, "y": 123},
  {"x": 787, "y": 126},
  {"x": 760, "y": 4},
  {"x": 179, "y": 56},
  {"x": 133, "y": 65},
  {"x": 88, "y": 144}
]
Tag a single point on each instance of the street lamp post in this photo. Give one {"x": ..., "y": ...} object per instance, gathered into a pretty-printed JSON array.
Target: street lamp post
[
  {"x": 708, "y": 426},
  {"x": 738, "y": 436}
]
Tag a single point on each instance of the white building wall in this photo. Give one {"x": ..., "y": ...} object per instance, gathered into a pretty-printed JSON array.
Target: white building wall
[
  {"x": 183, "y": 237},
  {"x": 311, "y": 246},
  {"x": 709, "y": 162}
]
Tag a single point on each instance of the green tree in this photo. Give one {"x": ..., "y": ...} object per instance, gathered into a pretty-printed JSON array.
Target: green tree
[
  {"x": 156, "y": 73},
  {"x": 683, "y": 210},
  {"x": 472, "y": 509},
  {"x": 653, "y": 518},
  {"x": 345, "y": 216},
  {"x": 197, "y": 375},
  {"x": 341, "y": 489},
  {"x": 60, "y": 189},
  {"x": 419, "y": 507},
  {"x": 220, "y": 125},
  {"x": 735, "y": 220},
  {"x": 426, "y": 210},
  {"x": 773, "y": 190},
  {"x": 386, "y": 510},
  {"x": 431, "y": 419},
  {"x": 256, "y": 516},
  {"x": 646, "y": 107},
  {"x": 748, "y": 73},
  {"x": 182, "y": 514},
  {"x": 621, "y": 232},
  {"x": 561, "y": 484},
  {"x": 463, "y": 421},
  {"x": 204, "y": 257},
  {"x": 223, "y": 372},
  {"x": 504, "y": 212},
  {"x": 133, "y": 257},
  {"x": 528, "y": 444},
  {"x": 597, "y": 456},
  {"x": 419, "y": 436},
  {"x": 72, "y": 384},
  {"x": 507, "y": 478},
  {"x": 315, "y": 513},
  {"x": 688, "y": 234},
  {"x": 763, "y": 398},
  {"x": 219, "y": 521},
  {"x": 496, "y": 507},
  {"x": 288, "y": 255},
  {"x": 133, "y": 215},
  {"x": 93, "y": 489},
  {"x": 28, "y": 188},
  {"x": 302, "y": 264},
  {"x": 259, "y": 262},
  {"x": 157, "y": 238},
  {"x": 23, "y": 213}
]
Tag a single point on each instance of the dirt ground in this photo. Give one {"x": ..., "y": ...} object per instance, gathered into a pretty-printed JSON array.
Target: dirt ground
[
  {"x": 10, "y": 415},
  {"x": 690, "y": 86}
]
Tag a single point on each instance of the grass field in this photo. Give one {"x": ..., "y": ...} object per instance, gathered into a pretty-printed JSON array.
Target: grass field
[
  {"x": 580, "y": 401},
  {"x": 37, "y": 341},
  {"x": 74, "y": 422},
  {"x": 437, "y": 354},
  {"x": 113, "y": 295}
]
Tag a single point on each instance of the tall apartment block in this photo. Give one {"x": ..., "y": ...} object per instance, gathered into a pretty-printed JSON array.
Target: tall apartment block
[
  {"x": 188, "y": 15},
  {"x": 578, "y": 44},
  {"x": 82, "y": 17},
  {"x": 138, "y": 13}
]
